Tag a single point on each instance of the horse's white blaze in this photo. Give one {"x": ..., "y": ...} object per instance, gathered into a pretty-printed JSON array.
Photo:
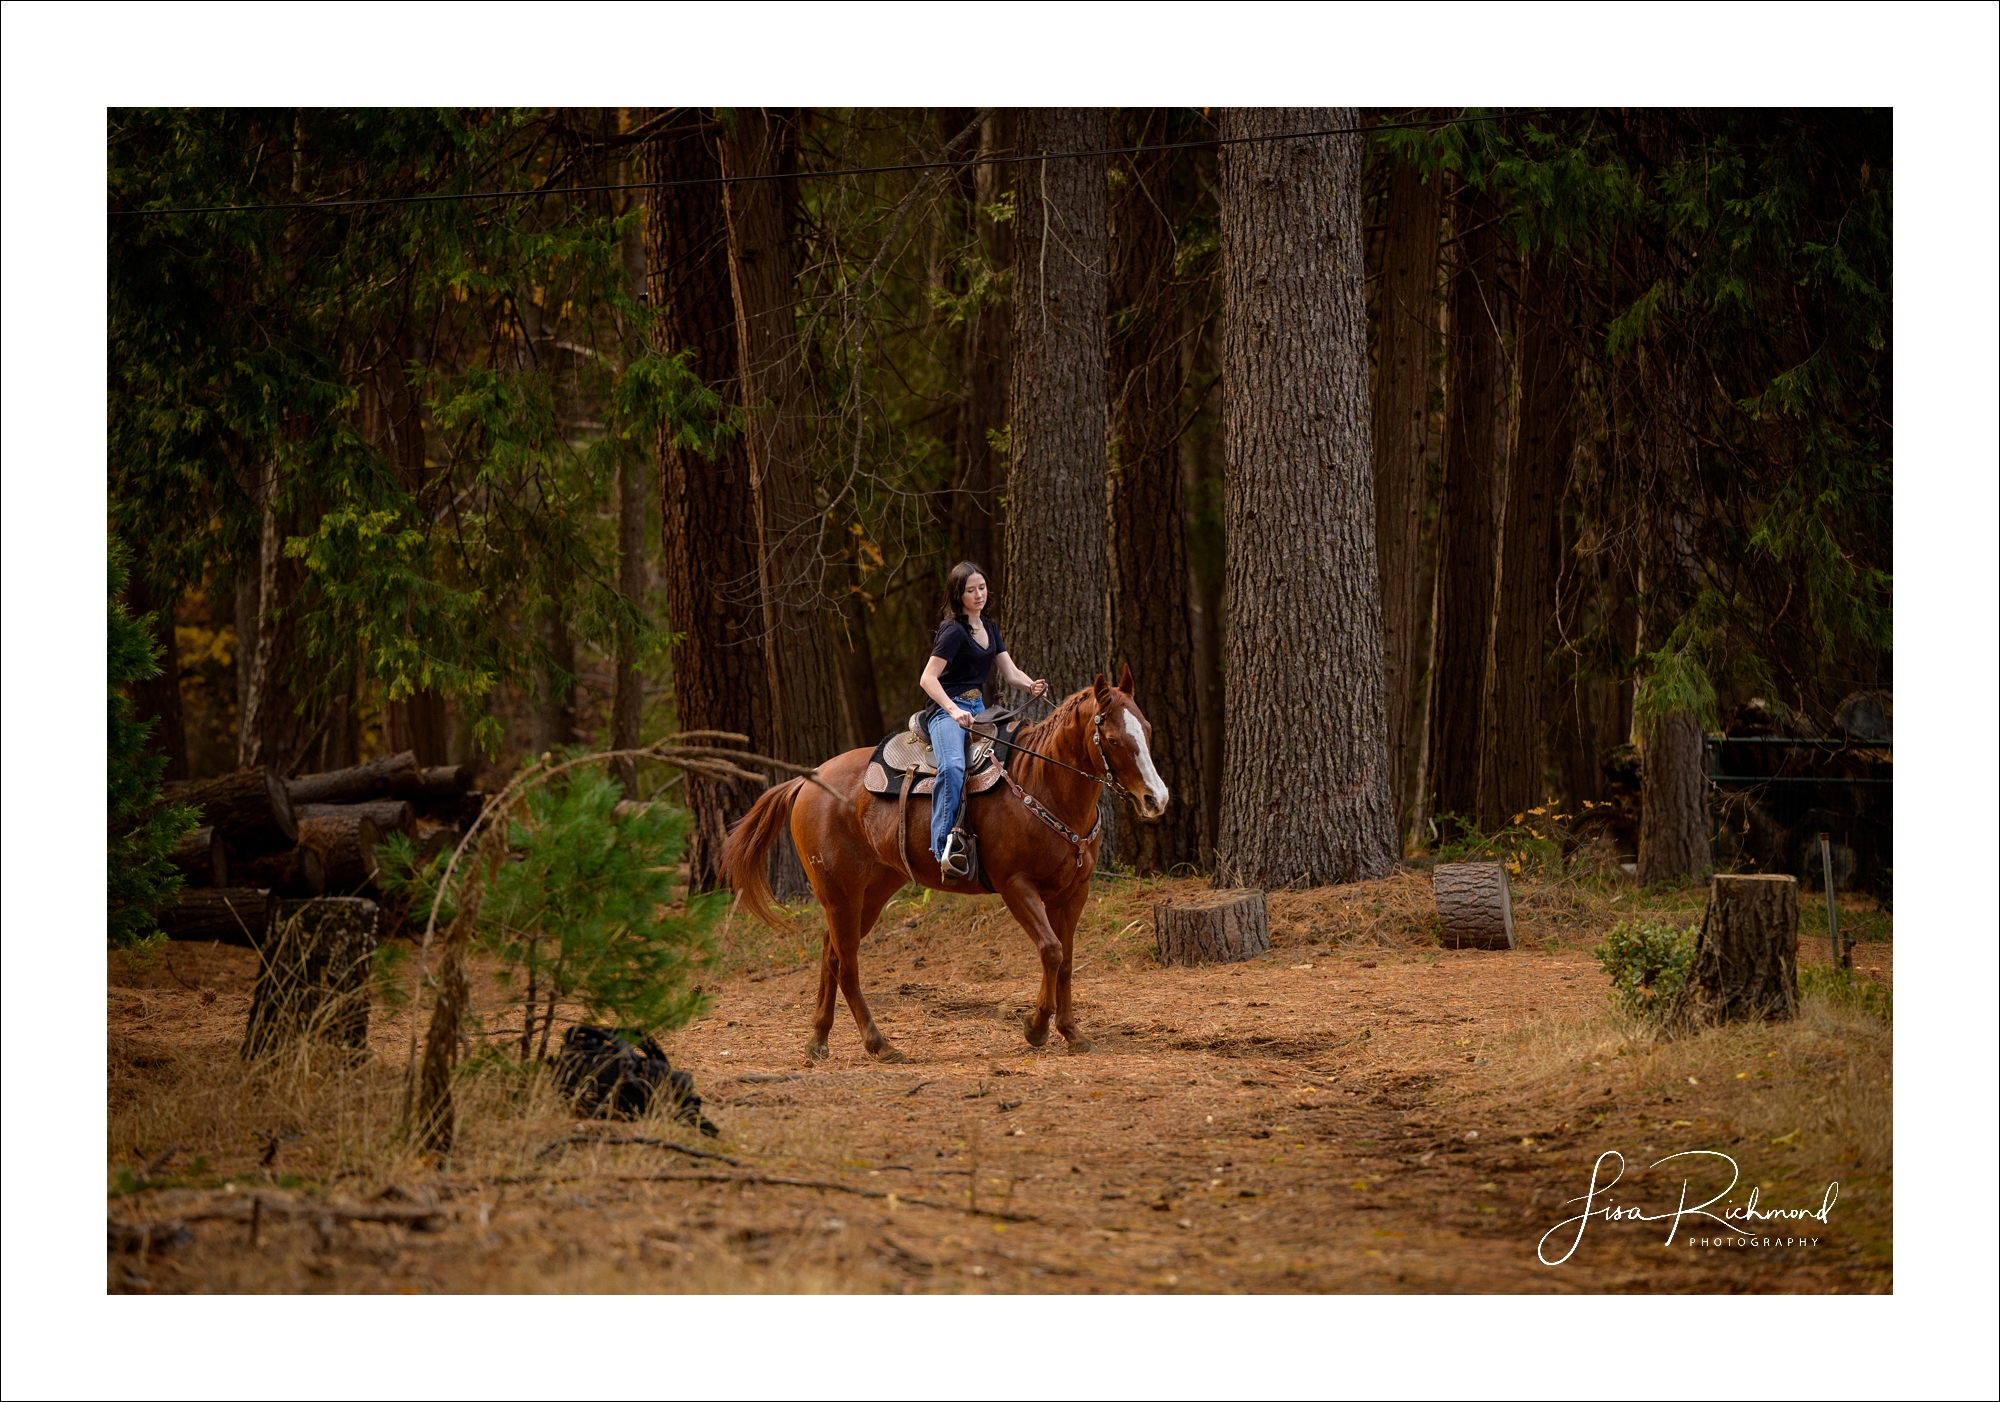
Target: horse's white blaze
[{"x": 1146, "y": 770}]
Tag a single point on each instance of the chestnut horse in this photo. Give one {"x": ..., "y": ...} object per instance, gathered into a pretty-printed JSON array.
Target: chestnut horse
[{"x": 1040, "y": 869}]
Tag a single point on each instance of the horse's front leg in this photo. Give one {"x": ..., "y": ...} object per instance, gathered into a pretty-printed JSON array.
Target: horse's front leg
[
  {"x": 1064, "y": 917},
  {"x": 1025, "y": 902}
]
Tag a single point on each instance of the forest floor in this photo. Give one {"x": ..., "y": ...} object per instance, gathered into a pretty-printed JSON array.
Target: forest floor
[{"x": 1358, "y": 1110}]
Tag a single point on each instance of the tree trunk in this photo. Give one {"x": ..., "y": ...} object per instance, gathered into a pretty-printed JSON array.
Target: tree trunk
[
  {"x": 1215, "y": 929},
  {"x": 1201, "y": 475},
  {"x": 346, "y": 841},
  {"x": 202, "y": 858},
  {"x": 419, "y": 723},
  {"x": 1475, "y": 907},
  {"x": 1746, "y": 956},
  {"x": 1053, "y": 610},
  {"x": 1306, "y": 795},
  {"x": 798, "y": 645},
  {"x": 1147, "y": 551},
  {"x": 159, "y": 698},
  {"x": 1406, "y": 337},
  {"x": 978, "y": 514},
  {"x": 1475, "y": 389},
  {"x": 1673, "y": 800},
  {"x": 296, "y": 871},
  {"x": 708, "y": 542},
  {"x": 238, "y": 915},
  {"x": 1511, "y": 747},
  {"x": 313, "y": 979},
  {"x": 244, "y": 654},
  {"x": 251, "y": 807},
  {"x": 553, "y": 724},
  {"x": 627, "y": 686},
  {"x": 270, "y": 730},
  {"x": 379, "y": 778},
  {"x": 863, "y": 700}
]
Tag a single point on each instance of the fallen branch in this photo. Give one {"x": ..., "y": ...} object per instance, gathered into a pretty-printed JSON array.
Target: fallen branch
[
  {"x": 774, "y": 1181},
  {"x": 416, "y": 1218},
  {"x": 646, "y": 1140}
]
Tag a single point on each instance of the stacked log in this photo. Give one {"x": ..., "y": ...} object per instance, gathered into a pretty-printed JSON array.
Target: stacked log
[
  {"x": 239, "y": 915},
  {"x": 314, "y": 835}
]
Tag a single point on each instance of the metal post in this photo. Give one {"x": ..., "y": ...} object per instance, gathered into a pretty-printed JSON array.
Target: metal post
[{"x": 1832, "y": 911}]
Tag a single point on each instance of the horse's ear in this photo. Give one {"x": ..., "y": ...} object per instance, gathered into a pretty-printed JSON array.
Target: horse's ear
[
  {"x": 1125, "y": 682},
  {"x": 1101, "y": 687}
]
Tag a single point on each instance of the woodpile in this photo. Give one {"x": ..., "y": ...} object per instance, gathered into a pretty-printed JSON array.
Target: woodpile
[{"x": 264, "y": 837}]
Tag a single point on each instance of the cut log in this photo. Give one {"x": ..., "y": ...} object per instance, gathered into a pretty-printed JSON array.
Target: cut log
[
  {"x": 296, "y": 872},
  {"x": 1475, "y": 907},
  {"x": 313, "y": 977},
  {"x": 1216, "y": 929},
  {"x": 432, "y": 838},
  {"x": 251, "y": 808},
  {"x": 346, "y": 845},
  {"x": 379, "y": 778},
  {"x": 1746, "y": 963},
  {"x": 444, "y": 781},
  {"x": 388, "y": 814},
  {"x": 237, "y": 915},
  {"x": 202, "y": 858}
]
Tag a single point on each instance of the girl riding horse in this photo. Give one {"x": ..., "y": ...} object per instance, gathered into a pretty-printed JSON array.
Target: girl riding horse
[{"x": 965, "y": 651}]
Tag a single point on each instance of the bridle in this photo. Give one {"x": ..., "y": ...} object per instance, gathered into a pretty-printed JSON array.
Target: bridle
[{"x": 1040, "y": 810}]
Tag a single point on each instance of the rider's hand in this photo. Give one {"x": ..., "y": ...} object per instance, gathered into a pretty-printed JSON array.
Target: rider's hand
[
  {"x": 963, "y": 717},
  {"x": 1039, "y": 687}
]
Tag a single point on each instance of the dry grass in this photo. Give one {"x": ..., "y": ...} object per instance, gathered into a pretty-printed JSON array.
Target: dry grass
[{"x": 1304, "y": 1119}]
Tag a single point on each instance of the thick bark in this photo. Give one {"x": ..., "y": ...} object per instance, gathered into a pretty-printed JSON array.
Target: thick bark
[
  {"x": 1511, "y": 745},
  {"x": 708, "y": 544},
  {"x": 379, "y": 778},
  {"x": 1673, "y": 799},
  {"x": 1201, "y": 477},
  {"x": 1406, "y": 337},
  {"x": 1146, "y": 552},
  {"x": 627, "y": 686},
  {"x": 1215, "y": 929},
  {"x": 1475, "y": 391},
  {"x": 1475, "y": 908},
  {"x": 202, "y": 858},
  {"x": 1053, "y": 607},
  {"x": 251, "y": 808},
  {"x": 978, "y": 514},
  {"x": 1306, "y": 794},
  {"x": 313, "y": 978},
  {"x": 238, "y": 915},
  {"x": 1746, "y": 956}
]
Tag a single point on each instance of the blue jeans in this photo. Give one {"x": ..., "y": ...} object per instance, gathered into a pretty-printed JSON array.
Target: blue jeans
[{"x": 948, "y": 740}]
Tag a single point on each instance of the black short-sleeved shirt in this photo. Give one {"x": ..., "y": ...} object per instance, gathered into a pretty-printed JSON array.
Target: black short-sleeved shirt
[{"x": 966, "y": 663}]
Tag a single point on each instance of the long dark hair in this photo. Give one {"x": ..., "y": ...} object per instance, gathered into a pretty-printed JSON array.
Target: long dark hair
[{"x": 954, "y": 589}]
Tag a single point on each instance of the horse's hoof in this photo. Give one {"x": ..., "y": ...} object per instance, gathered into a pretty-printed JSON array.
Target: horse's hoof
[
  {"x": 1081, "y": 1046},
  {"x": 889, "y": 1056},
  {"x": 1035, "y": 1039},
  {"x": 816, "y": 1051}
]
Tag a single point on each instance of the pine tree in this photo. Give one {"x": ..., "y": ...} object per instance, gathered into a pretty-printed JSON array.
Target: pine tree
[{"x": 138, "y": 877}]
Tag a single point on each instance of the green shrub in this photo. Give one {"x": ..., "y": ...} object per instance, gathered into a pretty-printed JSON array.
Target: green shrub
[
  {"x": 581, "y": 916},
  {"x": 139, "y": 878},
  {"x": 1844, "y": 989},
  {"x": 1648, "y": 962},
  {"x": 1526, "y": 847}
]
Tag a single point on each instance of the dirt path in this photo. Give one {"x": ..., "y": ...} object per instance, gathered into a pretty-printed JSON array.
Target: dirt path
[{"x": 1330, "y": 1118}]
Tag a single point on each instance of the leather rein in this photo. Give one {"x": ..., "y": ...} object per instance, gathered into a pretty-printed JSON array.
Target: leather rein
[{"x": 1035, "y": 805}]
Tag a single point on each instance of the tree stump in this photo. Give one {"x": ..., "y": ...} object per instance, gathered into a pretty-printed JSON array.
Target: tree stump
[
  {"x": 233, "y": 914},
  {"x": 1217, "y": 929},
  {"x": 1746, "y": 963},
  {"x": 314, "y": 979},
  {"x": 346, "y": 845},
  {"x": 252, "y": 808},
  {"x": 202, "y": 858},
  {"x": 388, "y": 814},
  {"x": 296, "y": 871},
  {"x": 1475, "y": 907}
]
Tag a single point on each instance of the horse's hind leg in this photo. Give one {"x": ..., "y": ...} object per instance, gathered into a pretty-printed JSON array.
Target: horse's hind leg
[{"x": 829, "y": 990}]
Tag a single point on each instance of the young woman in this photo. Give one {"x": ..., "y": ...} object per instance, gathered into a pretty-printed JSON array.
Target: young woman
[{"x": 967, "y": 648}]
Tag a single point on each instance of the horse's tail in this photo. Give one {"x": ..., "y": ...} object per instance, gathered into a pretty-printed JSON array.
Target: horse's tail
[{"x": 749, "y": 842}]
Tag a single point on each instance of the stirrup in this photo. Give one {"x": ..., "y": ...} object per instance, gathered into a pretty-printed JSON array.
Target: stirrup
[{"x": 953, "y": 863}]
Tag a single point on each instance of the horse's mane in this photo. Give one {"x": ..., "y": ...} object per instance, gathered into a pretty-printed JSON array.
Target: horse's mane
[{"x": 1034, "y": 736}]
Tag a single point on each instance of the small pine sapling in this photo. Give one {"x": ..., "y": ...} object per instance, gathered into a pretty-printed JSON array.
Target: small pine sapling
[{"x": 139, "y": 877}]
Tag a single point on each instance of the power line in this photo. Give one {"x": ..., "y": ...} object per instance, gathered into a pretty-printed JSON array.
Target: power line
[{"x": 545, "y": 191}]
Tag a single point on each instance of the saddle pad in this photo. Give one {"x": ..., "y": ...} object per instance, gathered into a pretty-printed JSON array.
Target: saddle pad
[
  {"x": 904, "y": 751},
  {"x": 885, "y": 780}
]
